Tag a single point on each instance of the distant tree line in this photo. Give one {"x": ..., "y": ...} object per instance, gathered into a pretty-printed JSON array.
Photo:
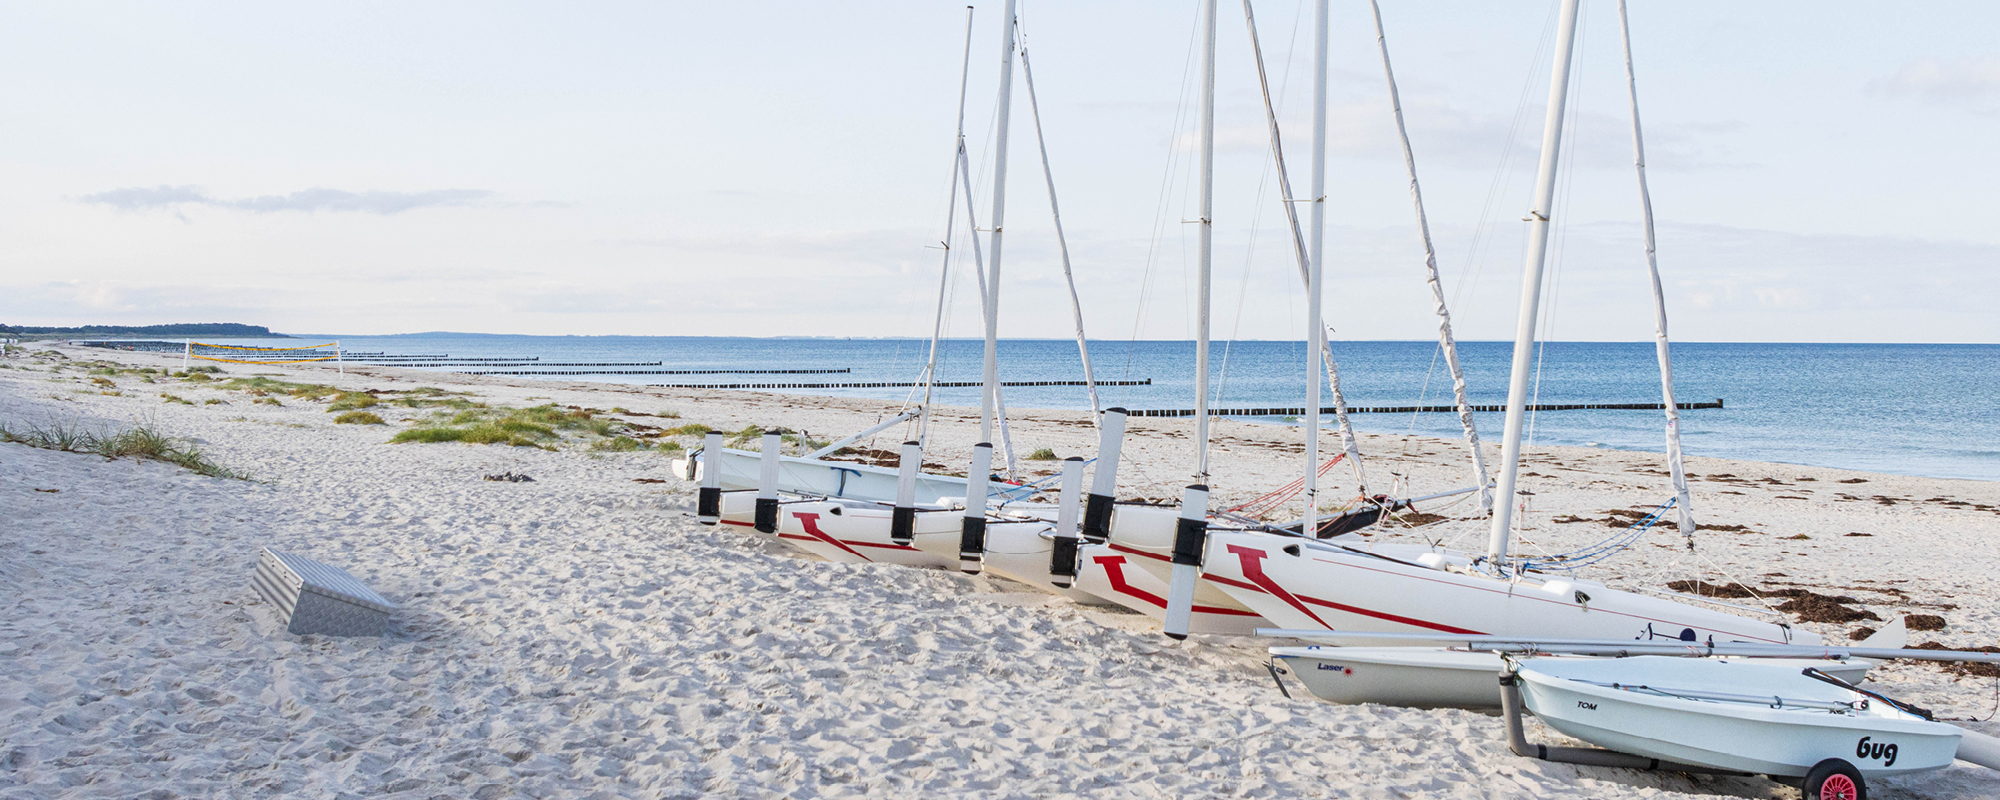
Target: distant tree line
[{"x": 179, "y": 329}]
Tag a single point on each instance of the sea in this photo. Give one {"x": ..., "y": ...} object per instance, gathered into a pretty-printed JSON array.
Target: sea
[{"x": 1914, "y": 409}]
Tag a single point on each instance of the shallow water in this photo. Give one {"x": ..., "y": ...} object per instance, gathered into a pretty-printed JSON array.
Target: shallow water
[{"x": 1917, "y": 409}]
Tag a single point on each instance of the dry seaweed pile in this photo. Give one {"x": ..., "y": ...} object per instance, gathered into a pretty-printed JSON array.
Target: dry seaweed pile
[{"x": 1807, "y": 605}]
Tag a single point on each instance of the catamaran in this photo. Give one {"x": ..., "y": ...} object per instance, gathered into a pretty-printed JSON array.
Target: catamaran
[{"x": 1306, "y": 583}]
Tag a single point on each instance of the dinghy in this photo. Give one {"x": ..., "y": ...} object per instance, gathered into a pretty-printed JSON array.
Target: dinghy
[
  {"x": 1461, "y": 676},
  {"x": 1422, "y": 677},
  {"x": 1742, "y": 716}
]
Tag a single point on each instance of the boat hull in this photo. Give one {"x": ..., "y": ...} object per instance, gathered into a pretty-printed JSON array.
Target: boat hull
[
  {"x": 852, "y": 534},
  {"x": 1748, "y": 737},
  {"x": 1314, "y": 588},
  {"x": 1135, "y": 570},
  {"x": 1428, "y": 677},
  {"x": 1396, "y": 676}
]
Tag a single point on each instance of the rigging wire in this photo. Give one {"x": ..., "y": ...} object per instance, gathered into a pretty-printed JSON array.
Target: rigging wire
[
  {"x": 1257, "y": 217},
  {"x": 1167, "y": 175}
]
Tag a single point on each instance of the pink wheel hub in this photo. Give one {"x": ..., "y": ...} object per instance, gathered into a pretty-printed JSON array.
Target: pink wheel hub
[{"x": 1838, "y": 787}]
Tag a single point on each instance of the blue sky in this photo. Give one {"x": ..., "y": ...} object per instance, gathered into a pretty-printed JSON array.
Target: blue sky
[{"x": 1821, "y": 171}]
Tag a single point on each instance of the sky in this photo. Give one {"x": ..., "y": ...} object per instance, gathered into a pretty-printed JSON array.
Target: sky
[{"x": 1820, "y": 171}]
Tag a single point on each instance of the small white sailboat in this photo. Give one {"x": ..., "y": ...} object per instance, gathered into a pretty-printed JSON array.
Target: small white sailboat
[
  {"x": 1424, "y": 677},
  {"x": 1740, "y": 708},
  {"x": 1742, "y": 716}
]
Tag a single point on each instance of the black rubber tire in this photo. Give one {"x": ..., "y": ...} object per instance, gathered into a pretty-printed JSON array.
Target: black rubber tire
[{"x": 1843, "y": 777}]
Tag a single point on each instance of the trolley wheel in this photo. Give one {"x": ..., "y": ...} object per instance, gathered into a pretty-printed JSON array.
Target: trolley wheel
[{"x": 1834, "y": 779}]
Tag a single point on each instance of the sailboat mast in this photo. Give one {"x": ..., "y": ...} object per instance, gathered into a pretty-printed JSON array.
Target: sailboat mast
[
  {"x": 1674, "y": 463},
  {"x": 1315, "y": 287},
  {"x": 950, "y": 219},
  {"x": 1305, "y": 252},
  {"x": 1531, "y": 290},
  {"x": 1206, "y": 241},
  {"x": 990, "y": 374}
]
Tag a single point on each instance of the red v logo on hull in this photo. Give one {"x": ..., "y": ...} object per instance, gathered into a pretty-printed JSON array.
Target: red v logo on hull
[
  {"x": 1253, "y": 569},
  {"x": 810, "y": 522},
  {"x": 1114, "y": 570}
]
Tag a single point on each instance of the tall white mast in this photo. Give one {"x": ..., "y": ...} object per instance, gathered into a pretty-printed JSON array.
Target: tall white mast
[
  {"x": 1308, "y": 254},
  {"x": 990, "y": 375},
  {"x": 1206, "y": 239},
  {"x": 1315, "y": 287},
  {"x": 1674, "y": 464},
  {"x": 950, "y": 219},
  {"x": 1446, "y": 341},
  {"x": 1191, "y": 530},
  {"x": 1531, "y": 290}
]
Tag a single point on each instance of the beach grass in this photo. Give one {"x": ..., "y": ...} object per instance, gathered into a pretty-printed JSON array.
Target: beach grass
[
  {"x": 536, "y": 426},
  {"x": 142, "y": 441},
  {"x": 261, "y": 386},
  {"x": 433, "y": 397},
  {"x": 349, "y": 401},
  {"x": 1042, "y": 454},
  {"x": 358, "y": 418}
]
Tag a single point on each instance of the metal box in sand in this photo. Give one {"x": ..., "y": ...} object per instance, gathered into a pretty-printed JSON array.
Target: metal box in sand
[{"x": 311, "y": 597}]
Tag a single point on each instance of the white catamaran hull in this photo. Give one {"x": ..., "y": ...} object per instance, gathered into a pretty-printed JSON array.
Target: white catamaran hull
[
  {"x": 1307, "y": 586},
  {"x": 809, "y": 476},
  {"x": 853, "y": 532},
  {"x": 853, "y": 535},
  {"x": 1135, "y": 568},
  {"x": 1427, "y": 677},
  {"x": 1574, "y": 696}
]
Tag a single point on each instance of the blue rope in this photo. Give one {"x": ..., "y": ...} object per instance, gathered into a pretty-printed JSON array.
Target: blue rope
[{"x": 1598, "y": 552}]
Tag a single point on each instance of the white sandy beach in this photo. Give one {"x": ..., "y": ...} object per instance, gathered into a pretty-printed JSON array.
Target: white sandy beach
[{"x": 582, "y": 636}]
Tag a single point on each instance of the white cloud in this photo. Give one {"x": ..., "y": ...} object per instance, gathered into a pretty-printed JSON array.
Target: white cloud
[
  {"x": 1945, "y": 81},
  {"x": 174, "y": 198}
]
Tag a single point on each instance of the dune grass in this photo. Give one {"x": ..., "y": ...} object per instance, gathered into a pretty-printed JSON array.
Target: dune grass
[
  {"x": 544, "y": 426},
  {"x": 537, "y": 426},
  {"x": 358, "y": 418},
  {"x": 349, "y": 401},
  {"x": 1042, "y": 454},
  {"x": 142, "y": 441}
]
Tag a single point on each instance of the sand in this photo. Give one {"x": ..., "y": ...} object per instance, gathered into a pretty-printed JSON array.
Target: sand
[{"x": 582, "y": 636}]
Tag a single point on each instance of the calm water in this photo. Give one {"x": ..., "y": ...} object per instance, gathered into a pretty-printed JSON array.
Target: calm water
[{"x": 1913, "y": 409}]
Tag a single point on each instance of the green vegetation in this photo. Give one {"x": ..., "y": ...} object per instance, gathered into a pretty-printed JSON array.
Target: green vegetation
[
  {"x": 357, "y": 418},
  {"x": 617, "y": 444},
  {"x": 140, "y": 442},
  {"x": 545, "y": 426},
  {"x": 173, "y": 398},
  {"x": 213, "y": 401},
  {"x": 520, "y": 427},
  {"x": 690, "y": 429},
  {"x": 1042, "y": 454},
  {"x": 745, "y": 437},
  {"x": 432, "y": 397},
  {"x": 259, "y": 386},
  {"x": 348, "y": 401},
  {"x": 269, "y": 401}
]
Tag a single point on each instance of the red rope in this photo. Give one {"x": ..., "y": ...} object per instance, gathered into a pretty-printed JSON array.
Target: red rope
[{"x": 1279, "y": 496}]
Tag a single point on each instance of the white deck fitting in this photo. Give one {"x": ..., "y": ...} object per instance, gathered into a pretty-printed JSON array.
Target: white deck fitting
[{"x": 311, "y": 597}]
